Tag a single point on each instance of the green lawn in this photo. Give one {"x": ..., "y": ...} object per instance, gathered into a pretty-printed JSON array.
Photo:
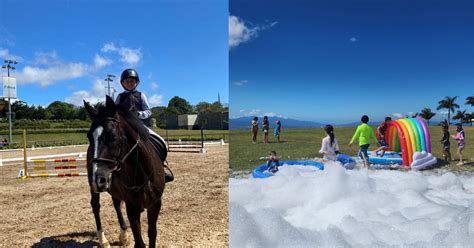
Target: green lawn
[{"x": 299, "y": 143}]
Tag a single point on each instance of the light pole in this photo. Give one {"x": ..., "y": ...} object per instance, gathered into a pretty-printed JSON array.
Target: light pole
[
  {"x": 9, "y": 67},
  {"x": 108, "y": 80}
]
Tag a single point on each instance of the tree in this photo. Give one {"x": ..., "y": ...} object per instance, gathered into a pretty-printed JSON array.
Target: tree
[
  {"x": 203, "y": 107},
  {"x": 40, "y": 113},
  {"x": 61, "y": 110},
  {"x": 427, "y": 114},
  {"x": 179, "y": 106},
  {"x": 470, "y": 117},
  {"x": 470, "y": 100},
  {"x": 80, "y": 113},
  {"x": 217, "y": 107},
  {"x": 449, "y": 104},
  {"x": 461, "y": 116},
  {"x": 21, "y": 110},
  {"x": 159, "y": 113}
]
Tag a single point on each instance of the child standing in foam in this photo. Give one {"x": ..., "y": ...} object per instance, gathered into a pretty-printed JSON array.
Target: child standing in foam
[
  {"x": 461, "y": 143},
  {"x": 445, "y": 142},
  {"x": 364, "y": 132},
  {"x": 329, "y": 146}
]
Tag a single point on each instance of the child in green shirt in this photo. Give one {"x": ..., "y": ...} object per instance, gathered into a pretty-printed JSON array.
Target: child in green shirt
[{"x": 364, "y": 132}]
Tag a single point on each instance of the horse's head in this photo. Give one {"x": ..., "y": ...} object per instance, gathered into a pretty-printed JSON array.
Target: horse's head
[{"x": 106, "y": 140}]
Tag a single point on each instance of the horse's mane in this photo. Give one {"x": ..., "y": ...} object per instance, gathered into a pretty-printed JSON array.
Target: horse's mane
[
  {"x": 135, "y": 123},
  {"x": 130, "y": 116}
]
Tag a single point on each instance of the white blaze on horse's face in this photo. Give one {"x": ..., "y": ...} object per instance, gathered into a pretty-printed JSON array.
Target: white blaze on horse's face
[{"x": 96, "y": 134}]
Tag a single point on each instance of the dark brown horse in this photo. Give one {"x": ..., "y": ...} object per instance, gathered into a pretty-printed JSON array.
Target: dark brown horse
[{"x": 121, "y": 160}]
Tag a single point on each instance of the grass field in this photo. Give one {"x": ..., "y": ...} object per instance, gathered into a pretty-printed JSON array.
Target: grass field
[
  {"x": 305, "y": 143},
  {"x": 80, "y": 138}
]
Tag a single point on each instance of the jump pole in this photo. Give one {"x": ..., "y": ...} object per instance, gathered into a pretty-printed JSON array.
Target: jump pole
[{"x": 25, "y": 176}]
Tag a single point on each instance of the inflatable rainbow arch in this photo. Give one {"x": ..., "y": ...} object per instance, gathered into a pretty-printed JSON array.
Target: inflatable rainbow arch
[{"x": 408, "y": 136}]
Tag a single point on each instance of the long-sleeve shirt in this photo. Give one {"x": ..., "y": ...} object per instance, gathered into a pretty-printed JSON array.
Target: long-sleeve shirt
[
  {"x": 364, "y": 132},
  {"x": 328, "y": 150}
]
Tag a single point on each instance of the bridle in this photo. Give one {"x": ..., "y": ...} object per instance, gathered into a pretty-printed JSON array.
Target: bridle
[{"x": 115, "y": 164}]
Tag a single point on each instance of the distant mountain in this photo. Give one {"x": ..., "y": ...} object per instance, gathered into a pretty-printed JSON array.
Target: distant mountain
[
  {"x": 246, "y": 122},
  {"x": 354, "y": 124}
]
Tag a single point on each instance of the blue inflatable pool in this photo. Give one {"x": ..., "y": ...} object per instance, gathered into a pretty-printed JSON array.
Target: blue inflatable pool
[
  {"x": 388, "y": 158},
  {"x": 261, "y": 170}
]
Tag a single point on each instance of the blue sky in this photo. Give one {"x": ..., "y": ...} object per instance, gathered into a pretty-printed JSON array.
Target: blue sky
[
  {"x": 333, "y": 61},
  {"x": 66, "y": 48}
]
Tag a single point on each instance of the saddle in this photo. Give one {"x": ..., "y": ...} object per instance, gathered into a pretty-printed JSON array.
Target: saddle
[
  {"x": 162, "y": 151},
  {"x": 160, "y": 147}
]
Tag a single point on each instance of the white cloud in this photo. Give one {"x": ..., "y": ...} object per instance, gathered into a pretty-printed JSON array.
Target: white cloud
[
  {"x": 5, "y": 54},
  {"x": 398, "y": 115},
  {"x": 48, "y": 69},
  {"x": 254, "y": 112},
  {"x": 271, "y": 114},
  {"x": 154, "y": 85},
  {"x": 44, "y": 58},
  {"x": 239, "y": 32},
  {"x": 241, "y": 82},
  {"x": 47, "y": 76},
  {"x": 443, "y": 112},
  {"x": 353, "y": 39},
  {"x": 242, "y": 110},
  {"x": 100, "y": 61},
  {"x": 155, "y": 100},
  {"x": 109, "y": 47},
  {"x": 96, "y": 94},
  {"x": 129, "y": 56}
]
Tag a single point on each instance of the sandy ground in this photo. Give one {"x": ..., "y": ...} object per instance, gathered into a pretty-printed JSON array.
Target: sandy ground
[{"x": 55, "y": 212}]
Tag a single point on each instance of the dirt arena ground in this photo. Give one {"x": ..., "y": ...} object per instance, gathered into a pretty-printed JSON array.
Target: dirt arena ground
[{"x": 55, "y": 212}]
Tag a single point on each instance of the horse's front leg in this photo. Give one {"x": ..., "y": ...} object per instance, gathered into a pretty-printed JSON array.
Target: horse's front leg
[
  {"x": 133, "y": 213},
  {"x": 123, "y": 226},
  {"x": 152, "y": 214},
  {"x": 95, "y": 203}
]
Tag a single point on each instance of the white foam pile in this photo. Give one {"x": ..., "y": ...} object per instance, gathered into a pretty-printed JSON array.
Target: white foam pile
[{"x": 303, "y": 207}]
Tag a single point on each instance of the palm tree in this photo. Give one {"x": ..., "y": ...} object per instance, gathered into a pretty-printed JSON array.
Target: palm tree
[
  {"x": 470, "y": 100},
  {"x": 449, "y": 104},
  {"x": 461, "y": 116},
  {"x": 427, "y": 114},
  {"x": 470, "y": 117}
]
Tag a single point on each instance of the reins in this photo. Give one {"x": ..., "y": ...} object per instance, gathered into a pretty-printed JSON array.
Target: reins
[{"x": 116, "y": 164}]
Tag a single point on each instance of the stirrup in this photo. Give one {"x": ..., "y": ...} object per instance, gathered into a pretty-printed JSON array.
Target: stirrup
[{"x": 168, "y": 177}]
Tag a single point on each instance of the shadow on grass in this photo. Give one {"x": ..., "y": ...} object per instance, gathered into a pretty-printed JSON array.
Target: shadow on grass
[
  {"x": 273, "y": 142},
  {"x": 68, "y": 240}
]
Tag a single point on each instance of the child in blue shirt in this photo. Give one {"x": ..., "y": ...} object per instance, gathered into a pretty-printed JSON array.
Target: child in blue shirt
[
  {"x": 273, "y": 163},
  {"x": 277, "y": 130}
]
